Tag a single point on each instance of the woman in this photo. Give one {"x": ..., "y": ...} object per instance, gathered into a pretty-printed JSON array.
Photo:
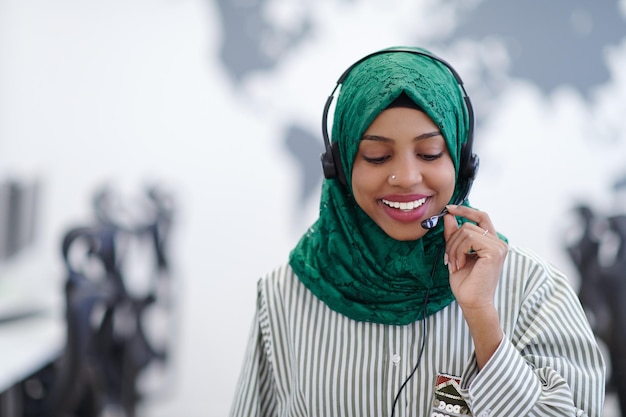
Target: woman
[{"x": 382, "y": 310}]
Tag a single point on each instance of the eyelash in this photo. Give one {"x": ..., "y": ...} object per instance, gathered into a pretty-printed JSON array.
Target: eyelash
[
  {"x": 431, "y": 157},
  {"x": 382, "y": 160},
  {"x": 376, "y": 161}
]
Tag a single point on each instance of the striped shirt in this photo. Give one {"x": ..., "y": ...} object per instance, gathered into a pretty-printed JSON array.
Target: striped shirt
[{"x": 304, "y": 359}]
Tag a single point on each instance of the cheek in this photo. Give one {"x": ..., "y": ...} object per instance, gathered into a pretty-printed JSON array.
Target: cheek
[
  {"x": 359, "y": 186},
  {"x": 364, "y": 183},
  {"x": 447, "y": 178},
  {"x": 440, "y": 177}
]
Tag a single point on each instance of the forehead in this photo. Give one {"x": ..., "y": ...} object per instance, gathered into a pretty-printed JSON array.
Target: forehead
[{"x": 401, "y": 120}]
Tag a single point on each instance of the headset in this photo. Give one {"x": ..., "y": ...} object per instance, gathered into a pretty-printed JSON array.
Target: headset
[{"x": 468, "y": 164}]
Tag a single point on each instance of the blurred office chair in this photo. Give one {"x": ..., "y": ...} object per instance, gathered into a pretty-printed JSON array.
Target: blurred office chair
[
  {"x": 600, "y": 256},
  {"x": 109, "y": 339}
]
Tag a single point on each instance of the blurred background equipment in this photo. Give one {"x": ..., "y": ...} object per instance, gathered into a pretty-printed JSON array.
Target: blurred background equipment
[
  {"x": 18, "y": 215},
  {"x": 599, "y": 254},
  {"x": 19, "y": 221},
  {"x": 118, "y": 309}
]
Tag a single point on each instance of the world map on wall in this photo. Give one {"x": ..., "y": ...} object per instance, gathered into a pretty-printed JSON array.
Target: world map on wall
[
  {"x": 549, "y": 44},
  {"x": 562, "y": 44}
]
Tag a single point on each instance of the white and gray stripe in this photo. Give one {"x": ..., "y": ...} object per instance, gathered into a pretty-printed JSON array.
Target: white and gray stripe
[{"x": 307, "y": 360}]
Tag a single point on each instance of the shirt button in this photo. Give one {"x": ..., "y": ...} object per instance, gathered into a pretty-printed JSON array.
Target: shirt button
[
  {"x": 395, "y": 359},
  {"x": 484, "y": 413}
]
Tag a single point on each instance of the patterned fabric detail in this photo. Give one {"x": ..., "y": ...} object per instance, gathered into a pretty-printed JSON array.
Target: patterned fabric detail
[{"x": 448, "y": 401}]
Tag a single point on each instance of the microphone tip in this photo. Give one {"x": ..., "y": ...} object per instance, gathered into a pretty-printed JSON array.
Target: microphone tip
[{"x": 430, "y": 222}]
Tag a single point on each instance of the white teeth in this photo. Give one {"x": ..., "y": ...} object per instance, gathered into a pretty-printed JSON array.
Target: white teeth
[{"x": 410, "y": 205}]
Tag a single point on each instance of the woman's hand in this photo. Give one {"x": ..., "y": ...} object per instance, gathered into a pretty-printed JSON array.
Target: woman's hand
[{"x": 475, "y": 256}]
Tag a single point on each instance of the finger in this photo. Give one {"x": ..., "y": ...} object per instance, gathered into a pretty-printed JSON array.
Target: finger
[
  {"x": 450, "y": 226},
  {"x": 454, "y": 257},
  {"x": 466, "y": 243},
  {"x": 480, "y": 218},
  {"x": 460, "y": 246}
]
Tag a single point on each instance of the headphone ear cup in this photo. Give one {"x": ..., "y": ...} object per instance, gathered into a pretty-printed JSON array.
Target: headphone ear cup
[
  {"x": 328, "y": 164},
  {"x": 472, "y": 167},
  {"x": 467, "y": 172},
  {"x": 339, "y": 172},
  {"x": 469, "y": 164},
  {"x": 331, "y": 164}
]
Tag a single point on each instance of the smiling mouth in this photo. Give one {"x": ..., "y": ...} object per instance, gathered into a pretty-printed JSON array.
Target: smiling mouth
[{"x": 404, "y": 206}]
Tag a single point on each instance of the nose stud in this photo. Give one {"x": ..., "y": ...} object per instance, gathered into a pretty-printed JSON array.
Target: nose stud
[{"x": 393, "y": 177}]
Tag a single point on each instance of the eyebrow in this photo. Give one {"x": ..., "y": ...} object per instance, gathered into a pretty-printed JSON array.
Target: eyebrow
[{"x": 386, "y": 139}]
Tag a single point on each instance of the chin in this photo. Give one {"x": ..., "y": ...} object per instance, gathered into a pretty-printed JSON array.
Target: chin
[{"x": 406, "y": 237}]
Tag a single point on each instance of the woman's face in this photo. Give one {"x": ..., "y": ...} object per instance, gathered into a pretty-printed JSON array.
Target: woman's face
[{"x": 402, "y": 172}]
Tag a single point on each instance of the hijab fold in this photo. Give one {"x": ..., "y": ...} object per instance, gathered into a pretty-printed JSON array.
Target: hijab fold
[{"x": 345, "y": 258}]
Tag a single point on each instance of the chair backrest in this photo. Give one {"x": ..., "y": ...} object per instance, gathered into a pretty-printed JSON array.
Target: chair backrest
[{"x": 108, "y": 346}]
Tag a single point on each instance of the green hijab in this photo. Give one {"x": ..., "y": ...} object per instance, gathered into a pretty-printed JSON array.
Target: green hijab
[{"x": 345, "y": 258}]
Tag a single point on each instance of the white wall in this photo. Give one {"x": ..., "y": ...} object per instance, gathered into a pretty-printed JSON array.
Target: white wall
[{"x": 129, "y": 91}]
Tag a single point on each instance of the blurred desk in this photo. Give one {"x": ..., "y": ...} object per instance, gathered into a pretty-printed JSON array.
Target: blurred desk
[{"x": 27, "y": 344}]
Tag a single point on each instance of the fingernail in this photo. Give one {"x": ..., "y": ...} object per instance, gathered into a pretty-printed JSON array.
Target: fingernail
[
  {"x": 445, "y": 259},
  {"x": 451, "y": 206}
]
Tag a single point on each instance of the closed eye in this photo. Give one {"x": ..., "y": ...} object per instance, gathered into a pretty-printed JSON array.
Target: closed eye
[
  {"x": 430, "y": 157},
  {"x": 377, "y": 161}
]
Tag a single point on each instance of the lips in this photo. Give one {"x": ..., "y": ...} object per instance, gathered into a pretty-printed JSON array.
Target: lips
[
  {"x": 405, "y": 205},
  {"x": 405, "y": 209}
]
